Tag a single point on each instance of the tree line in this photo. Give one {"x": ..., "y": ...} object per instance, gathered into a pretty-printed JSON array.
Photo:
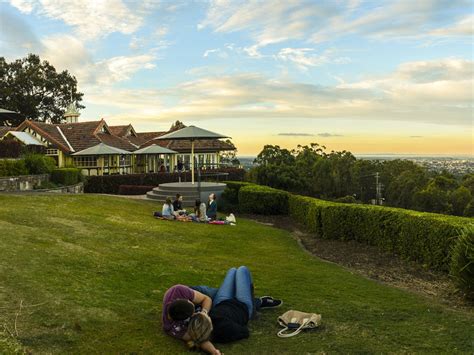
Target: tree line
[{"x": 339, "y": 176}]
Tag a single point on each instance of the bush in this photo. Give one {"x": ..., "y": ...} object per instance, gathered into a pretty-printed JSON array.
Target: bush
[
  {"x": 66, "y": 176},
  {"x": 39, "y": 164},
  {"x": 109, "y": 184},
  {"x": 462, "y": 262},
  {"x": 346, "y": 199},
  {"x": 263, "y": 200},
  {"x": 231, "y": 192},
  {"x": 134, "y": 189},
  {"x": 13, "y": 167},
  {"x": 422, "y": 237}
]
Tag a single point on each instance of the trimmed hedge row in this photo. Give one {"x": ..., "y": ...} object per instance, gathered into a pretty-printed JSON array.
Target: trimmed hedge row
[
  {"x": 462, "y": 262},
  {"x": 263, "y": 200},
  {"x": 109, "y": 184},
  {"x": 426, "y": 238},
  {"x": 66, "y": 176},
  {"x": 134, "y": 189}
]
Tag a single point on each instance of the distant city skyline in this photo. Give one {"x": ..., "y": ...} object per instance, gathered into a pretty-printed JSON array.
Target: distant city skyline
[{"x": 371, "y": 77}]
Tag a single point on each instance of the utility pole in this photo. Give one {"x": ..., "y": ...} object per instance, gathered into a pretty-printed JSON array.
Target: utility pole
[{"x": 378, "y": 190}]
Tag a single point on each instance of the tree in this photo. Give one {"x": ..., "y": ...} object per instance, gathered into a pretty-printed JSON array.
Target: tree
[
  {"x": 36, "y": 90},
  {"x": 230, "y": 156},
  {"x": 460, "y": 198}
]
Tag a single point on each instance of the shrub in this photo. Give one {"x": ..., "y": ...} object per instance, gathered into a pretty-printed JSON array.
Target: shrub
[
  {"x": 13, "y": 167},
  {"x": 134, "y": 189},
  {"x": 422, "y": 237},
  {"x": 66, "y": 176},
  {"x": 346, "y": 199},
  {"x": 231, "y": 192},
  {"x": 462, "y": 262},
  {"x": 109, "y": 184},
  {"x": 39, "y": 164},
  {"x": 263, "y": 200}
]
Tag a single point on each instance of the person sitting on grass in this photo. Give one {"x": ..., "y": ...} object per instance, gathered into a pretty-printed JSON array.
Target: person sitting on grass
[
  {"x": 179, "y": 304},
  {"x": 178, "y": 205},
  {"x": 212, "y": 207},
  {"x": 233, "y": 306},
  {"x": 199, "y": 214},
  {"x": 168, "y": 210}
]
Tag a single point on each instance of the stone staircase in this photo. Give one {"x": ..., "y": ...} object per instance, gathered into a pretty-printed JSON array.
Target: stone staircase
[{"x": 189, "y": 192}]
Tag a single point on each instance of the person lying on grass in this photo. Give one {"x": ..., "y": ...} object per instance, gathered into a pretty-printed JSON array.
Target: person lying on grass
[
  {"x": 233, "y": 306},
  {"x": 178, "y": 306}
]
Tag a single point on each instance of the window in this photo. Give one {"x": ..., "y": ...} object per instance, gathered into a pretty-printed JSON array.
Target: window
[
  {"x": 51, "y": 152},
  {"x": 125, "y": 160},
  {"x": 85, "y": 161}
]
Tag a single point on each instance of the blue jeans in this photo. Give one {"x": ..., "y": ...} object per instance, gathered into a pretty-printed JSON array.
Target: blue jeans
[{"x": 237, "y": 284}]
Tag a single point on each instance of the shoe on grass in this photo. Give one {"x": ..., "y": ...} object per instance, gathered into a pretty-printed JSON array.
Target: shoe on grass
[{"x": 270, "y": 302}]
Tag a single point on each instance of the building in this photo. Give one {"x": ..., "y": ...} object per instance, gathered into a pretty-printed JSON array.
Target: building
[{"x": 100, "y": 149}]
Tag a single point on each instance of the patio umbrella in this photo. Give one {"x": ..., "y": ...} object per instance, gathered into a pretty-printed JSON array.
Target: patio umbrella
[
  {"x": 192, "y": 133},
  {"x": 9, "y": 116},
  {"x": 102, "y": 149}
]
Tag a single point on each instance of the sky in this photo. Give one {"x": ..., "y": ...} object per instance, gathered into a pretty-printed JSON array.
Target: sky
[{"x": 365, "y": 76}]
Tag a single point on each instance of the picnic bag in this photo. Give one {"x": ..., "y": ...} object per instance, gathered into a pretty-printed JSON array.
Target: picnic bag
[{"x": 296, "y": 321}]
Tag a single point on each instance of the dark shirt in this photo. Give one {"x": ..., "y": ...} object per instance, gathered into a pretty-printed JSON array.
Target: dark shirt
[
  {"x": 229, "y": 320},
  {"x": 212, "y": 210},
  {"x": 177, "y": 205}
]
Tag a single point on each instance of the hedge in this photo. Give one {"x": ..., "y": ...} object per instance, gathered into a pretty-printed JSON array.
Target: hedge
[
  {"x": 462, "y": 262},
  {"x": 134, "y": 189},
  {"x": 426, "y": 238},
  {"x": 109, "y": 184},
  {"x": 66, "y": 176},
  {"x": 12, "y": 167},
  {"x": 263, "y": 200}
]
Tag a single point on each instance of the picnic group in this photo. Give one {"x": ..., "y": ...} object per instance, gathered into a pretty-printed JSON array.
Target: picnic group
[
  {"x": 203, "y": 212},
  {"x": 202, "y": 316}
]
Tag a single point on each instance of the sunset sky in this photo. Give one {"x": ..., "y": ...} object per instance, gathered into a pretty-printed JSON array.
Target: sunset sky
[{"x": 365, "y": 76}]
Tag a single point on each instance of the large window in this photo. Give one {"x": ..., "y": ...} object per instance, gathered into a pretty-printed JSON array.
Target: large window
[
  {"x": 85, "y": 161},
  {"x": 125, "y": 160},
  {"x": 51, "y": 151}
]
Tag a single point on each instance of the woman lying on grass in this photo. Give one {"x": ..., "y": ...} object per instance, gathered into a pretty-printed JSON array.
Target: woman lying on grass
[{"x": 233, "y": 306}]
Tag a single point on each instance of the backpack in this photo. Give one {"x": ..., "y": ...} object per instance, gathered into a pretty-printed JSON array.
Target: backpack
[{"x": 296, "y": 321}]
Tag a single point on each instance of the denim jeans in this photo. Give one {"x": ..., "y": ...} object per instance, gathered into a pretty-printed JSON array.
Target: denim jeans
[{"x": 237, "y": 284}]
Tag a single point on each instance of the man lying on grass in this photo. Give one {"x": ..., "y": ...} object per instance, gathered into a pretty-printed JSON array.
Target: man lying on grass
[{"x": 233, "y": 306}]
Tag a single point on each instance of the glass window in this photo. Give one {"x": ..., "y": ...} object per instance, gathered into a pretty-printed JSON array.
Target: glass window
[{"x": 85, "y": 161}]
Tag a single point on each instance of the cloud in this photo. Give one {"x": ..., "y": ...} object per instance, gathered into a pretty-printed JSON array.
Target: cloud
[
  {"x": 416, "y": 137},
  {"x": 275, "y": 22},
  {"x": 67, "y": 52},
  {"x": 329, "y": 135},
  {"x": 416, "y": 92},
  {"x": 464, "y": 27},
  {"x": 90, "y": 19},
  {"x": 296, "y": 134},
  {"x": 304, "y": 57},
  {"x": 219, "y": 52}
]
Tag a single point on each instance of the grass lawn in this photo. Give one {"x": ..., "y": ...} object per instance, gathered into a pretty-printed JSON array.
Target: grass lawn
[{"x": 91, "y": 272}]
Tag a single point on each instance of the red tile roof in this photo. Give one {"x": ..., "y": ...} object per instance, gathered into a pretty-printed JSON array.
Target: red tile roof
[
  {"x": 5, "y": 129},
  {"x": 83, "y": 135}
]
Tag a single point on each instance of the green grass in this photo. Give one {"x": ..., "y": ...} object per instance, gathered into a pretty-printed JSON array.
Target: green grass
[{"x": 97, "y": 268}]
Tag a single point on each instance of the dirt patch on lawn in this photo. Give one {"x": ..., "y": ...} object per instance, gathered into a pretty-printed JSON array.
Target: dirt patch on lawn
[{"x": 370, "y": 262}]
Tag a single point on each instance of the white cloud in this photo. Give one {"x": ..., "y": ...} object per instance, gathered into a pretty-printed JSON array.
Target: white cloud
[
  {"x": 304, "y": 57},
  {"x": 219, "y": 52},
  {"x": 432, "y": 91},
  {"x": 91, "y": 19},
  {"x": 67, "y": 52},
  {"x": 271, "y": 22},
  {"x": 464, "y": 27}
]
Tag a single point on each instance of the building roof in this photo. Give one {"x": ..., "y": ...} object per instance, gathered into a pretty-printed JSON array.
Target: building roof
[
  {"x": 5, "y": 129},
  {"x": 25, "y": 138},
  {"x": 101, "y": 149},
  {"x": 75, "y": 137}
]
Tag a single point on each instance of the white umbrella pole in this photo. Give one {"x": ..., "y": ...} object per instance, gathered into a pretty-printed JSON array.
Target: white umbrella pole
[{"x": 192, "y": 162}]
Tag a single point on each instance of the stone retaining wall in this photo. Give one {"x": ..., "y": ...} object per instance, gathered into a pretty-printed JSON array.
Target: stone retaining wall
[
  {"x": 71, "y": 189},
  {"x": 21, "y": 183}
]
